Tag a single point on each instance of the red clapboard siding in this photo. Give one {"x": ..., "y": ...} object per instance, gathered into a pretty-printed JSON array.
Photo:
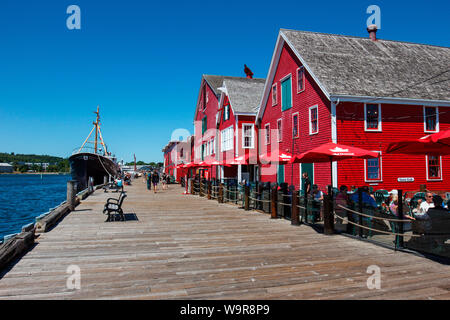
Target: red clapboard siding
[
  {"x": 301, "y": 102},
  {"x": 398, "y": 122}
]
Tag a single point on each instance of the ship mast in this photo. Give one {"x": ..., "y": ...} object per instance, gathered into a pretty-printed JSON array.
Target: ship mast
[
  {"x": 98, "y": 134},
  {"x": 96, "y": 124}
]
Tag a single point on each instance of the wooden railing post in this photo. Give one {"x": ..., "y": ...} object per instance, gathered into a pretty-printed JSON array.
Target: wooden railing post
[
  {"x": 200, "y": 188},
  {"x": 71, "y": 193},
  {"x": 328, "y": 217},
  {"x": 400, "y": 217},
  {"x": 220, "y": 196},
  {"x": 209, "y": 189},
  {"x": 246, "y": 197},
  {"x": 360, "y": 206},
  {"x": 273, "y": 213},
  {"x": 191, "y": 185},
  {"x": 294, "y": 210},
  {"x": 306, "y": 206}
]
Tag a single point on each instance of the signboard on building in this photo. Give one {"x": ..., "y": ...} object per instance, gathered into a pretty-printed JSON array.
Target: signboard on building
[{"x": 405, "y": 179}]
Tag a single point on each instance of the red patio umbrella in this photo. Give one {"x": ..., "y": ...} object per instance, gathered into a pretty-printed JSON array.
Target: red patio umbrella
[
  {"x": 218, "y": 163},
  {"x": 282, "y": 158},
  {"x": 330, "y": 152},
  {"x": 438, "y": 144},
  {"x": 243, "y": 160}
]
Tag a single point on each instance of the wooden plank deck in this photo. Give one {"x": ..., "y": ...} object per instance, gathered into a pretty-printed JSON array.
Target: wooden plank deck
[{"x": 187, "y": 247}]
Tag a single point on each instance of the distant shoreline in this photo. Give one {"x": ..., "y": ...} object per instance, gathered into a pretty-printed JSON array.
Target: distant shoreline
[{"x": 36, "y": 173}]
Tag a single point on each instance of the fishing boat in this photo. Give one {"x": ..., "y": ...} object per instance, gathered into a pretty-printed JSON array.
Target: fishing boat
[{"x": 92, "y": 162}]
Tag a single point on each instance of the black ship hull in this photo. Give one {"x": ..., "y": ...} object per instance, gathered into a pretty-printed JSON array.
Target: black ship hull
[{"x": 85, "y": 165}]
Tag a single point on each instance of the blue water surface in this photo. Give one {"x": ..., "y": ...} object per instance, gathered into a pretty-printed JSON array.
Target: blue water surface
[{"x": 23, "y": 197}]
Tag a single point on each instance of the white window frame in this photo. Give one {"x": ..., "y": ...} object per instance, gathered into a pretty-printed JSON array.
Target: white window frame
[
  {"x": 279, "y": 132},
  {"x": 303, "y": 79},
  {"x": 298, "y": 125},
  {"x": 213, "y": 147},
  {"x": 310, "y": 123},
  {"x": 225, "y": 109},
  {"x": 425, "y": 120},
  {"x": 267, "y": 134},
  {"x": 281, "y": 91},
  {"x": 274, "y": 103},
  {"x": 226, "y": 140},
  {"x": 440, "y": 165},
  {"x": 379, "y": 118},
  {"x": 380, "y": 161},
  {"x": 252, "y": 145}
]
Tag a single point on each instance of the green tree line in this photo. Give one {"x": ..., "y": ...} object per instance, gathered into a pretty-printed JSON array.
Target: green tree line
[{"x": 56, "y": 164}]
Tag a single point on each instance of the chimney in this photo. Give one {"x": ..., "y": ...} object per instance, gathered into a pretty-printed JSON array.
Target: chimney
[
  {"x": 248, "y": 72},
  {"x": 372, "y": 29}
]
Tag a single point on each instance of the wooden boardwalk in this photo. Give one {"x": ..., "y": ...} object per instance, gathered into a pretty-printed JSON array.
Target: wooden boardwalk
[{"x": 187, "y": 247}]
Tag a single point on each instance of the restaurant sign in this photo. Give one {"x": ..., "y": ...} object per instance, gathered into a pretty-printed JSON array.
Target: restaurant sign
[{"x": 405, "y": 179}]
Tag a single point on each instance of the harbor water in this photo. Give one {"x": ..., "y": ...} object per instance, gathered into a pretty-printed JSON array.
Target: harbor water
[{"x": 23, "y": 197}]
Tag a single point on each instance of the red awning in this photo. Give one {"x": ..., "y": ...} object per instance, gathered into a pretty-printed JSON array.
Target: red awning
[{"x": 281, "y": 158}]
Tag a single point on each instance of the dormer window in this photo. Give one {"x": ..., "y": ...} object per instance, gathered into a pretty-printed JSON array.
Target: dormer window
[
  {"x": 300, "y": 79},
  {"x": 274, "y": 94}
]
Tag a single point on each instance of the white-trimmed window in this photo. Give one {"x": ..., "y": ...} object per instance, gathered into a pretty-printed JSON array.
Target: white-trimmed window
[
  {"x": 430, "y": 119},
  {"x": 313, "y": 119},
  {"x": 267, "y": 133},
  {"x": 226, "y": 112},
  {"x": 279, "y": 130},
  {"x": 434, "y": 168},
  {"x": 226, "y": 139},
  {"x": 247, "y": 136},
  {"x": 213, "y": 147},
  {"x": 300, "y": 79},
  {"x": 372, "y": 117},
  {"x": 274, "y": 94},
  {"x": 295, "y": 133},
  {"x": 373, "y": 169}
]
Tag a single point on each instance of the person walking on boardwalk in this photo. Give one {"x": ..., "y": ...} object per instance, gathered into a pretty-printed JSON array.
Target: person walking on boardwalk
[
  {"x": 149, "y": 180},
  {"x": 155, "y": 179}
]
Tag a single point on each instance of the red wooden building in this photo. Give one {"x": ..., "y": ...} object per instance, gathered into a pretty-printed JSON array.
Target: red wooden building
[
  {"x": 238, "y": 106},
  {"x": 355, "y": 91}
]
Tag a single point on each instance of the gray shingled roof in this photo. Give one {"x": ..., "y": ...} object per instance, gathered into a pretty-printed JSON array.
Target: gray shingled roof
[
  {"x": 361, "y": 67},
  {"x": 244, "y": 94}
]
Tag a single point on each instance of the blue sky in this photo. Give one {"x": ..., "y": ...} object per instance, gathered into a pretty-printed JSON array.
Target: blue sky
[{"x": 142, "y": 61}]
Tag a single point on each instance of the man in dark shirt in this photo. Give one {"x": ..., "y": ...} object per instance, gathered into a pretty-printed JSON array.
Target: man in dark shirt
[{"x": 307, "y": 183}]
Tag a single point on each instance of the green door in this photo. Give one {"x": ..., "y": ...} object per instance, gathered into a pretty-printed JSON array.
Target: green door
[
  {"x": 286, "y": 94},
  {"x": 280, "y": 174},
  {"x": 309, "y": 168}
]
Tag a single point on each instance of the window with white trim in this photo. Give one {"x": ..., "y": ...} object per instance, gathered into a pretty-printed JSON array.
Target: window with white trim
[
  {"x": 226, "y": 112},
  {"x": 434, "y": 167},
  {"x": 267, "y": 133},
  {"x": 300, "y": 79},
  {"x": 226, "y": 139},
  {"x": 274, "y": 94},
  {"x": 431, "y": 119},
  {"x": 247, "y": 136},
  {"x": 213, "y": 147},
  {"x": 279, "y": 130},
  {"x": 313, "y": 120},
  {"x": 295, "y": 125},
  {"x": 373, "y": 169},
  {"x": 372, "y": 117}
]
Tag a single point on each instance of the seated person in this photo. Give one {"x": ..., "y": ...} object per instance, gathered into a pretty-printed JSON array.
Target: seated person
[{"x": 366, "y": 198}]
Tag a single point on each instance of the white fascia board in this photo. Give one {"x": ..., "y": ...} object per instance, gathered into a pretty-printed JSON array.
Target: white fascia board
[
  {"x": 377, "y": 100},
  {"x": 270, "y": 75}
]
